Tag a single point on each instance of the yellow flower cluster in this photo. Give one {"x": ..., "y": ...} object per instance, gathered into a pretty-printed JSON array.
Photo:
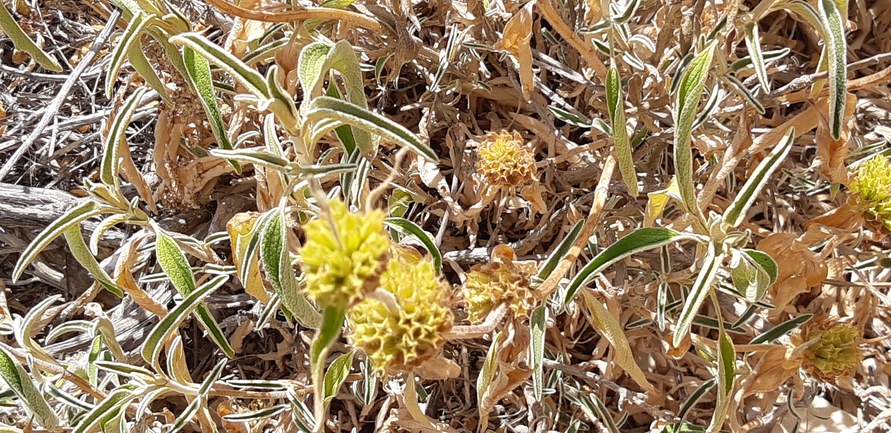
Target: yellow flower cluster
[
  {"x": 342, "y": 266},
  {"x": 398, "y": 308},
  {"x": 505, "y": 160},
  {"x": 873, "y": 188},
  {"x": 400, "y": 332},
  {"x": 835, "y": 353},
  {"x": 498, "y": 282}
]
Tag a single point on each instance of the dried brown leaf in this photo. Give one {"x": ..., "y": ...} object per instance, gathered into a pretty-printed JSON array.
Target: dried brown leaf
[
  {"x": 832, "y": 152},
  {"x": 516, "y": 38}
]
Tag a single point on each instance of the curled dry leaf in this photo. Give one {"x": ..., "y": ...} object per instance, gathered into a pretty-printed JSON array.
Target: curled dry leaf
[
  {"x": 438, "y": 368},
  {"x": 832, "y": 152},
  {"x": 517, "y": 35},
  {"x": 799, "y": 268},
  {"x": 845, "y": 218},
  {"x": 772, "y": 369},
  {"x": 681, "y": 349},
  {"x": 511, "y": 369},
  {"x": 246, "y": 31},
  {"x": 532, "y": 193}
]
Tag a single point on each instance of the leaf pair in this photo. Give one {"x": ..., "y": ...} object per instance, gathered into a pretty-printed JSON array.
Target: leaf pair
[
  {"x": 316, "y": 60},
  {"x": 175, "y": 265},
  {"x": 323, "y": 113},
  {"x": 749, "y": 266}
]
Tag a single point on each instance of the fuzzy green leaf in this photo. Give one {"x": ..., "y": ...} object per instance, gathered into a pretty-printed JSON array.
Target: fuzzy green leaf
[
  {"x": 72, "y": 217},
  {"x": 616, "y": 105},
  {"x": 108, "y": 408},
  {"x": 753, "y": 272},
  {"x": 325, "y": 108},
  {"x": 277, "y": 263},
  {"x": 82, "y": 254},
  {"x": 18, "y": 380},
  {"x": 254, "y": 156},
  {"x": 642, "y": 239},
  {"x": 700, "y": 290},
  {"x": 131, "y": 36},
  {"x": 689, "y": 94},
  {"x": 151, "y": 349},
  {"x": 611, "y": 329},
  {"x": 141, "y": 64},
  {"x": 111, "y": 154},
  {"x": 766, "y": 262},
  {"x": 538, "y": 322},
  {"x": 836, "y": 47},
  {"x": 256, "y": 415},
  {"x": 176, "y": 267},
  {"x": 202, "y": 82},
  {"x": 726, "y": 377},
  {"x": 21, "y": 41},
  {"x": 736, "y": 213},
  {"x": 487, "y": 374},
  {"x": 743, "y": 91},
  {"x": 249, "y": 77},
  {"x": 337, "y": 374},
  {"x": 174, "y": 263},
  {"x": 561, "y": 251},
  {"x": 781, "y": 329},
  {"x": 753, "y": 43}
]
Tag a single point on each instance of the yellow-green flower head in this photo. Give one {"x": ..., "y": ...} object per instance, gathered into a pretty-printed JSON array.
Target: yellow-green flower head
[
  {"x": 873, "y": 188},
  {"x": 501, "y": 281},
  {"x": 341, "y": 267},
  {"x": 505, "y": 160},
  {"x": 836, "y": 353},
  {"x": 402, "y": 325}
]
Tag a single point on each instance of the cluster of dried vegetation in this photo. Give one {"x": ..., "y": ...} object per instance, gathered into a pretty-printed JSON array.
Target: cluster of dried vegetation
[{"x": 429, "y": 215}]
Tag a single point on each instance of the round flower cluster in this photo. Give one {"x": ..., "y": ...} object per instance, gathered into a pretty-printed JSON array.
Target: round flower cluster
[
  {"x": 873, "y": 188},
  {"x": 343, "y": 257},
  {"x": 498, "y": 282},
  {"x": 401, "y": 325},
  {"x": 505, "y": 160},
  {"x": 835, "y": 351}
]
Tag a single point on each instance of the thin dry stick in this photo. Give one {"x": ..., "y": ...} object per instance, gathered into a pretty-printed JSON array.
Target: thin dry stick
[
  {"x": 298, "y": 14},
  {"x": 587, "y": 51},
  {"x": 600, "y": 193},
  {"x": 378, "y": 192},
  {"x": 465, "y": 332},
  {"x": 808, "y": 80},
  {"x": 54, "y": 106}
]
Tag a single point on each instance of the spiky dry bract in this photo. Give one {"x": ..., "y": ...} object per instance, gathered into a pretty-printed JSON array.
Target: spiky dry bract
[
  {"x": 873, "y": 188},
  {"x": 494, "y": 283},
  {"x": 402, "y": 338},
  {"x": 340, "y": 268},
  {"x": 836, "y": 353},
  {"x": 505, "y": 160}
]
